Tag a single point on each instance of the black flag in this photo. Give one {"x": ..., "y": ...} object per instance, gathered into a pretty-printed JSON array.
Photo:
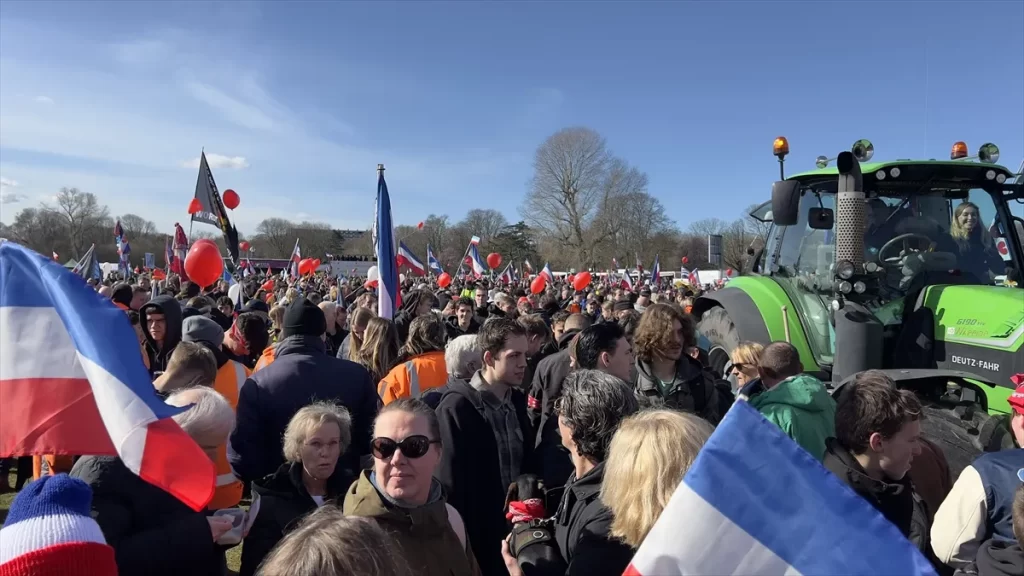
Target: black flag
[{"x": 213, "y": 211}]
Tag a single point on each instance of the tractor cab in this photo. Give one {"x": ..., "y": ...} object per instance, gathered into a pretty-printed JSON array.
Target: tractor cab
[{"x": 918, "y": 224}]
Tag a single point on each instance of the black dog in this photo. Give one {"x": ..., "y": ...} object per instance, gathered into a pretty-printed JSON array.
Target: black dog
[{"x": 532, "y": 540}]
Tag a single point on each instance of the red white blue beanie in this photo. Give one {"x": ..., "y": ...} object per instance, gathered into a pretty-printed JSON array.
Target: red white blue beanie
[{"x": 49, "y": 531}]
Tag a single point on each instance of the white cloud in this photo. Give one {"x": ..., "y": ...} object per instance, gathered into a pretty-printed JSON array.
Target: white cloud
[
  {"x": 44, "y": 100},
  {"x": 245, "y": 115},
  {"x": 7, "y": 196},
  {"x": 217, "y": 161}
]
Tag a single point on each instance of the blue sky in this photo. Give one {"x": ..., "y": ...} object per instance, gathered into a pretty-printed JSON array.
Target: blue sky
[{"x": 300, "y": 101}]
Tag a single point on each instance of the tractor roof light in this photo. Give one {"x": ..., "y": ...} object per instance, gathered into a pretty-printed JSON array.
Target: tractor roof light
[
  {"x": 959, "y": 151},
  {"x": 780, "y": 147},
  {"x": 821, "y": 161},
  {"x": 844, "y": 269},
  {"x": 863, "y": 150},
  {"x": 988, "y": 153}
]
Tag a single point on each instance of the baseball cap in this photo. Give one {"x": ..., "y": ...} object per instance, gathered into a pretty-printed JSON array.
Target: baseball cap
[{"x": 1016, "y": 400}]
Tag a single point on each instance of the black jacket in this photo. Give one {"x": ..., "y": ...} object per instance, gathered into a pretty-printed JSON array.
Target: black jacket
[
  {"x": 552, "y": 458},
  {"x": 452, "y": 330},
  {"x": 152, "y": 532},
  {"x": 996, "y": 558},
  {"x": 159, "y": 355},
  {"x": 301, "y": 373},
  {"x": 583, "y": 529},
  {"x": 695, "y": 389},
  {"x": 896, "y": 500},
  {"x": 284, "y": 502},
  {"x": 469, "y": 468}
]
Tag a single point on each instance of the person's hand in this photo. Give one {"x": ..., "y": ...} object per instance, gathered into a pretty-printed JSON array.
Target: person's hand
[
  {"x": 511, "y": 564},
  {"x": 218, "y": 526}
]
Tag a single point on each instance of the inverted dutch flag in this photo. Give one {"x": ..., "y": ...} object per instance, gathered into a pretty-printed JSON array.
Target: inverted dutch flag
[
  {"x": 433, "y": 263},
  {"x": 655, "y": 271},
  {"x": 755, "y": 503},
  {"x": 479, "y": 268},
  {"x": 384, "y": 246},
  {"x": 294, "y": 259},
  {"x": 72, "y": 381},
  {"x": 546, "y": 271},
  {"x": 507, "y": 276},
  {"x": 406, "y": 257}
]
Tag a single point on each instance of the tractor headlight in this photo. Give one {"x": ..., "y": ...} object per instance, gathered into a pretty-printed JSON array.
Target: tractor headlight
[
  {"x": 844, "y": 269},
  {"x": 845, "y": 287},
  {"x": 871, "y": 267},
  {"x": 988, "y": 153},
  {"x": 859, "y": 287}
]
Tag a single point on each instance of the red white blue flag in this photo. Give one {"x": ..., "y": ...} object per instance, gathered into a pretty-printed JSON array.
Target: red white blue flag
[
  {"x": 384, "y": 245},
  {"x": 408, "y": 259},
  {"x": 72, "y": 380},
  {"x": 479, "y": 268}
]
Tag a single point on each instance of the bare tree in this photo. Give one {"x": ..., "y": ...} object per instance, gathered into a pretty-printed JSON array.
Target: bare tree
[
  {"x": 568, "y": 186},
  {"x": 485, "y": 223},
  {"x": 81, "y": 214},
  {"x": 274, "y": 236},
  {"x": 754, "y": 226},
  {"x": 628, "y": 222},
  {"x": 316, "y": 239},
  {"x": 136, "y": 226}
]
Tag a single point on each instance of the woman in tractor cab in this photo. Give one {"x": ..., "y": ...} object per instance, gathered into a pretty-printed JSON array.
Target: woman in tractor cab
[{"x": 977, "y": 253}]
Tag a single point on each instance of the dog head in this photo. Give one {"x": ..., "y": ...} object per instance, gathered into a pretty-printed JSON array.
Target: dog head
[{"x": 525, "y": 487}]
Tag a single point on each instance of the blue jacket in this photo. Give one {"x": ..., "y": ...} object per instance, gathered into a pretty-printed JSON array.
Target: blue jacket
[{"x": 301, "y": 373}]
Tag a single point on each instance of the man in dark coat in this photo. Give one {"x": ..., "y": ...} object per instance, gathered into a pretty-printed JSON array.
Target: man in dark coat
[
  {"x": 161, "y": 323},
  {"x": 301, "y": 373},
  {"x": 485, "y": 433}
]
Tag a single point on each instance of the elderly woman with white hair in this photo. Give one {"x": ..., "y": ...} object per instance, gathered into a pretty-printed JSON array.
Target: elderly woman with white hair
[
  {"x": 310, "y": 478},
  {"x": 463, "y": 357},
  {"x": 152, "y": 532}
]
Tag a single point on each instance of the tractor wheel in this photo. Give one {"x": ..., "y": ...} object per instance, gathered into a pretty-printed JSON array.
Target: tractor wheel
[{"x": 718, "y": 328}]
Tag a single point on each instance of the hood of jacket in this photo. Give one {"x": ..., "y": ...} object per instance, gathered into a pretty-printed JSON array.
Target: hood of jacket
[
  {"x": 803, "y": 392},
  {"x": 171, "y": 310},
  {"x": 1000, "y": 558},
  {"x": 286, "y": 483},
  {"x": 840, "y": 462},
  {"x": 301, "y": 344},
  {"x": 364, "y": 500}
]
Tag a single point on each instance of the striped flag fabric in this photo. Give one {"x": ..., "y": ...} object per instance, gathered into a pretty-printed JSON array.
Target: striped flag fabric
[
  {"x": 528, "y": 266},
  {"x": 479, "y": 268},
  {"x": 507, "y": 275},
  {"x": 546, "y": 271},
  {"x": 756, "y": 504},
  {"x": 384, "y": 245},
  {"x": 295, "y": 258},
  {"x": 89, "y": 265},
  {"x": 433, "y": 263},
  {"x": 655, "y": 271},
  {"x": 71, "y": 371},
  {"x": 407, "y": 258},
  {"x": 475, "y": 240}
]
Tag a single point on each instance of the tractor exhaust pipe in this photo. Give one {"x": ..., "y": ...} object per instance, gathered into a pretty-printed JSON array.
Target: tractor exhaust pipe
[{"x": 851, "y": 211}]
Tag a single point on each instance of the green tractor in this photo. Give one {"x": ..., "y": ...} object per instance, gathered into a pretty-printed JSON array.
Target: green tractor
[{"x": 912, "y": 267}]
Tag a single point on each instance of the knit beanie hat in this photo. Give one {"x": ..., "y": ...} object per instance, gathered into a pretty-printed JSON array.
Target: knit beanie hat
[
  {"x": 198, "y": 329},
  {"x": 303, "y": 318},
  {"x": 49, "y": 531}
]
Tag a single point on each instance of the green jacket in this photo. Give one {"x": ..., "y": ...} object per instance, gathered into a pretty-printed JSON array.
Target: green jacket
[{"x": 803, "y": 409}]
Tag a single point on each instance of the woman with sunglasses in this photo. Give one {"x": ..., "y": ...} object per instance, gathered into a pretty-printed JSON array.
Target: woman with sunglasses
[{"x": 402, "y": 496}]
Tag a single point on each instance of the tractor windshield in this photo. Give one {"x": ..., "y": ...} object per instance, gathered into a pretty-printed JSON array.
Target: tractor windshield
[{"x": 956, "y": 232}]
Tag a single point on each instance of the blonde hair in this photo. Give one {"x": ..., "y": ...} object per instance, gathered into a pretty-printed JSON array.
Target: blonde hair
[
  {"x": 190, "y": 365},
  {"x": 308, "y": 419},
  {"x": 748, "y": 353},
  {"x": 380, "y": 347},
  {"x": 960, "y": 234},
  {"x": 330, "y": 310},
  {"x": 360, "y": 317},
  {"x": 648, "y": 457},
  {"x": 329, "y": 543},
  {"x": 276, "y": 316}
]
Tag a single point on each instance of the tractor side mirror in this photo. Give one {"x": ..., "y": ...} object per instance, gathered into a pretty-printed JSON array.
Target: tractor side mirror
[
  {"x": 785, "y": 202},
  {"x": 821, "y": 218}
]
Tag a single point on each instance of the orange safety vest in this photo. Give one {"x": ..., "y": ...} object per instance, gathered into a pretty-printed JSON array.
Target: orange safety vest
[
  {"x": 230, "y": 378},
  {"x": 266, "y": 359},
  {"x": 412, "y": 378}
]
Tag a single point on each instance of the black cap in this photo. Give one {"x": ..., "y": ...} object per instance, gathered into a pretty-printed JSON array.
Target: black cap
[
  {"x": 622, "y": 306},
  {"x": 303, "y": 318}
]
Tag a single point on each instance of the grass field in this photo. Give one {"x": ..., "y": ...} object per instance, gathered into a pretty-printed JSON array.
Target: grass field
[{"x": 234, "y": 555}]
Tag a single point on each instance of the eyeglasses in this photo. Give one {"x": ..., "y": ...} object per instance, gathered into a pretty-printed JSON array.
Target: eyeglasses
[{"x": 412, "y": 447}]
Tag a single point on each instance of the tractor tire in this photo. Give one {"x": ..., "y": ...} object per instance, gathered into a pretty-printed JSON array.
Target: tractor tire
[
  {"x": 964, "y": 434},
  {"x": 718, "y": 328}
]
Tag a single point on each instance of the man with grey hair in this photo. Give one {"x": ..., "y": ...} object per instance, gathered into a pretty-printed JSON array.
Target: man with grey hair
[
  {"x": 463, "y": 357},
  {"x": 589, "y": 411},
  {"x": 153, "y": 532}
]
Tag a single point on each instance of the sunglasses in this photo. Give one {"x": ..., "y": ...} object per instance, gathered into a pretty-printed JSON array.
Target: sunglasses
[{"x": 412, "y": 447}]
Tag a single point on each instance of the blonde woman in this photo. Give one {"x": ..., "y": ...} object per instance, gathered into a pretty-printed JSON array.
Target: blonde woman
[
  {"x": 743, "y": 369},
  {"x": 190, "y": 365},
  {"x": 315, "y": 438},
  {"x": 978, "y": 255},
  {"x": 329, "y": 543},
  {"x": 350, "y": 346},
  {"x": 648, "y": 457},
  {"x": 380, "y": 348}
]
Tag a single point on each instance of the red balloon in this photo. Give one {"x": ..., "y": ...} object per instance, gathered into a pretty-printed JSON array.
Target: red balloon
[
  {"x": 203, "y": 263},
  {"x": 195, "y": 206},
  {"x": 268, "y": 286},
  {"x": 728, "y": 271},
  {"x": 685, "y": 259},
  {"x": 244, "y": 246},
  {"x": 316, "y": 264},
  {"x": 419, "y": 226},
  {"x": 305, "y": 266},
  {"x": 494, "y": 259},
  {"x": 208, "y": 242},
  {"x": 537, "y": 285},
  {"x": 444, "y": 280},
  {"x": 231, "y": 199},
  {"x": 581, "y": 281}
]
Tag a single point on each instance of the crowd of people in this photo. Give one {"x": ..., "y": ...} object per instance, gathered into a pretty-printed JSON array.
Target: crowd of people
[{"x": 484, "y": 430}]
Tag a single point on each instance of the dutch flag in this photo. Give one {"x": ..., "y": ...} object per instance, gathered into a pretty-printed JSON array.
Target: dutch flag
[
  {"x": 479, "y": 268},
  {"x": 546, "y": 271},
  {"x": 72, "y": 381},
  {"x": 755, "y": 503},
  {"x": 384, "y": 246},
  {"x": 655, "y": 272},
  {"x": 407, "y": 258}
]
